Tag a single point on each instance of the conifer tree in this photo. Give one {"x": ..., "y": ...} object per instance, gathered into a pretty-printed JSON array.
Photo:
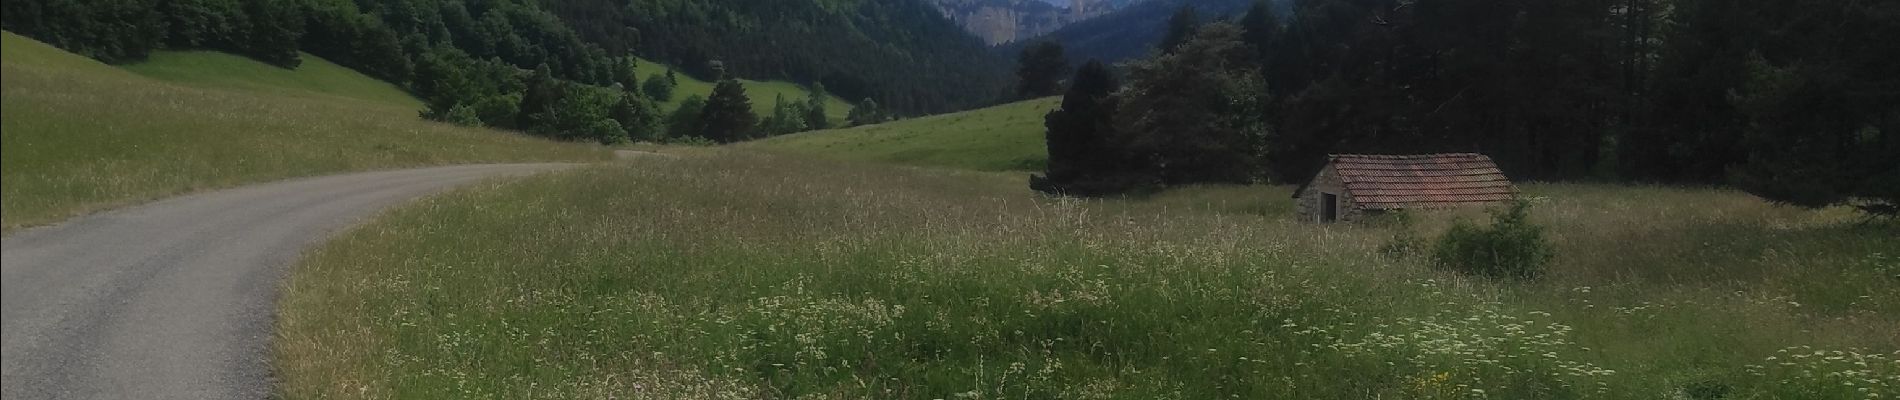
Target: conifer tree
[
  {"x": 1077, "y": 134},
  {"x": 1181, "y": 27},
  {"x": 1039, "y": 70},
  {"x": 1262, "y": 30},
  {"x": 728, "y": 114},
  {"x": 538, "y": 100}
]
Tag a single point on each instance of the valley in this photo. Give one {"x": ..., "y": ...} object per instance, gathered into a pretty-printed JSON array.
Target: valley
[{"x": 950, "y": 199}]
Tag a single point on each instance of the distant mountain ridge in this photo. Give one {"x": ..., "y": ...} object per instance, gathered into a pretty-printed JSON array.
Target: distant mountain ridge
[
  {"x": 1131, "y": 32},
  {"x": 1004, "y": 21}
]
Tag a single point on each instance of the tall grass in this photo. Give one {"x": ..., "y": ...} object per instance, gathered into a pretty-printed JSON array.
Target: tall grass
[
  {"x": 81, "y": 136},
  {"x": 742, "y": 275}
]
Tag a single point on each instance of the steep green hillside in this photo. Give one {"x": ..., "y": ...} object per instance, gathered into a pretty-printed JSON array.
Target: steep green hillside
[
  {"x": 1001, "y": 138},
  {"x": 762, "y": 93},
  {"x": 317, "y": 76},
  {"x": 77, "y": 135},
  {"x": 1132, "y": 32}
]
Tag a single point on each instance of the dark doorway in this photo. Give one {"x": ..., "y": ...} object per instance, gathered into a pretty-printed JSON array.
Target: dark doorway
[{"x": 1328, "y": 207}]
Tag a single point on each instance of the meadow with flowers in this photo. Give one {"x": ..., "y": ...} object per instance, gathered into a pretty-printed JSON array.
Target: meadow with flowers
[{"x": 742, "y": 274}]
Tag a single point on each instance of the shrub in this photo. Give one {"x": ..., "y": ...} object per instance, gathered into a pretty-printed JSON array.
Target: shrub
[
  {"x": 658, "y": 88},
  {"x": 1511, "y": 247},
  {"x": 605, "y": 131},
  {"x": 463, "y": 115},
  {"x": 1404, "y": 242},
  {"x": 690, "y": 141}
]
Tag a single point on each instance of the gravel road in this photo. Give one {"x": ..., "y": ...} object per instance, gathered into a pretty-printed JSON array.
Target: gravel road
[{"x": 174, "y": 299}]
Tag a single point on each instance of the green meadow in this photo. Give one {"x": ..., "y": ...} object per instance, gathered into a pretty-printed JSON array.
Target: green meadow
[
  {"x": 81, "y": 136},
  {"x": 315, "y": 78},
  {"x": 739, "y": 274},
  {"x": 762, "y": 93},
  {"x": 1001, "y": 138}
]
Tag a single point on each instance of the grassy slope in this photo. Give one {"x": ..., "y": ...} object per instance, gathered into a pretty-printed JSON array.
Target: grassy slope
[
  {"x": 81, "y": 136},
  {"x": 742, "y": 275},
  {"x": 1001, "y": 138},
  {"x": 762, "y": 93},
  {"x": 315, "y": 77}
]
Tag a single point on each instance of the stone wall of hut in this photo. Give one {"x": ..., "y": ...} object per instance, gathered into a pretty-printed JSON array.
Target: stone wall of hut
[{"x": 1327, "y": 181}]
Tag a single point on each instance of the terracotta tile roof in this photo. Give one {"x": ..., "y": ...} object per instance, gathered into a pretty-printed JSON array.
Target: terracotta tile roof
[{"x": 1422, "y": 181}]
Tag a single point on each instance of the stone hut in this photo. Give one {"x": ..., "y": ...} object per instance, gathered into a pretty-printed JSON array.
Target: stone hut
[{"x": 1352, "y": 186}]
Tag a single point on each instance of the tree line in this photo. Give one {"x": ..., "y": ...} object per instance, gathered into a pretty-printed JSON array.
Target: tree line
[
  {"x": 1797, "y": 103},
  {"x": 904, "y": 54},
  {"x": 500, "y": 63}
]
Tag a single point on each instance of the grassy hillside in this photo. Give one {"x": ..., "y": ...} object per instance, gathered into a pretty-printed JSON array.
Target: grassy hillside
[
  {"x": 1001, "y": 138},
  {"x": 77, "y": 135},
  {"x": 762, "y": 93},
  {"x": 316, "y": 76},
  {"x": 742, "y": 275}
]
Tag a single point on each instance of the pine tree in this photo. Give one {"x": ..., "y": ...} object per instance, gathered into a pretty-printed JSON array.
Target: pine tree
[
  {"x": 728, "y": 114},
  {"x": 1181, "y": 27},
  {"x": 1077, "y": 134},
  {"x": 1815, "y": 131},
  {"x": 536, "y": 110},
  {"x": 1039, "y": 70},
  {"x": 1262, "y": 29}
]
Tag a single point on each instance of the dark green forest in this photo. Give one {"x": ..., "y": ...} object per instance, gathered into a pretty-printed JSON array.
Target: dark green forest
[
  {"x": 561, "y": 69},
  {"x": 903, "y": 54},
  {"x": 1794, "y": 101},
  {"x": 1131, "y": 32}
]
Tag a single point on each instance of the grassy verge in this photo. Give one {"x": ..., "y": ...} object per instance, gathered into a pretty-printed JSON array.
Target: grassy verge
[
  {"x": 742, "y": 275},
  {"x": 81, "y": 136},
  {"x": 1001, "y": 138}
]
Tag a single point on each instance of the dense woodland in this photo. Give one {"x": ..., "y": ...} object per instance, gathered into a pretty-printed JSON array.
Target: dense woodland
[
  {"x": 1131, "y": 32},
  {"x": 904, "y": 54},
  {"x": 1796, "y": 102},
  {"x": 563, "y": 69}
]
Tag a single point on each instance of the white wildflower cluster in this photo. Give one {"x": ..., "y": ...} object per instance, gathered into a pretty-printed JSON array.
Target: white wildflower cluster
[
  {"x": 1645, "y": 310},
  {"x": 1806, "y": 372},
  {"x": 1094, "y": 292},
  {"x": 1468, "y": 354},
  {"x": 812, "y": 323},
  {"x": 1884, "y": 264}
]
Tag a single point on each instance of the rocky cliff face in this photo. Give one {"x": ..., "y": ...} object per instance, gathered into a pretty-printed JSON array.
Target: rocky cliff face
[{"x": 1004, "y": 21}]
